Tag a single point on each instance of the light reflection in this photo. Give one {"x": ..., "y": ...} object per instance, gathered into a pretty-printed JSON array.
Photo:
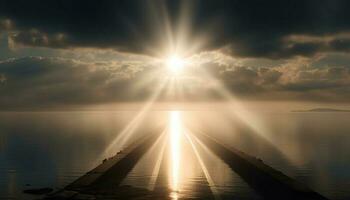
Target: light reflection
[
  {"x": 156, "y": 168},
  {"x": 204, "y": 169},
  {"x": 122, "y": 138},
  {"x": 175, "y": 148},
  {"x": 238, "y": 109}
]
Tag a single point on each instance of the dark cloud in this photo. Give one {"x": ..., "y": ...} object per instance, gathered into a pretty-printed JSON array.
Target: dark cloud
[
  {"x": 269, "y": 76},
  {"x": 258, "y": 28},
  {"x": 251, "y": 28},
  {"x": 241, "y": 80},
  {"x": 5, "y": 24},
  {"x": 76, "y": 23},
  {"x": 36, "y": 81},
  {"x": 291, "y": 81},
  {"x": 341, "y": 44},
  {"x": 319, "y": 79}
]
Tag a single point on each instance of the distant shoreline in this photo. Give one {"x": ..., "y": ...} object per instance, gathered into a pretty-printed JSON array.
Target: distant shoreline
[{"x": 322, "y": 110}]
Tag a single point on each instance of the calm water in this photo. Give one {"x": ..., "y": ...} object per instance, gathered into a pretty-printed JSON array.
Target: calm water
[{"x": 51, "y": 149}]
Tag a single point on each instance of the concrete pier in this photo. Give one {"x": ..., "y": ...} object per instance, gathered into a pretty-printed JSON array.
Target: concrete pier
[
  {"x": 113, "y": 170},
  {"x": 265, "y": 180}
]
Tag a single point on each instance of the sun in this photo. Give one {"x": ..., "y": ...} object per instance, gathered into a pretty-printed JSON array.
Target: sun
[{"x": 175, "y": 64}]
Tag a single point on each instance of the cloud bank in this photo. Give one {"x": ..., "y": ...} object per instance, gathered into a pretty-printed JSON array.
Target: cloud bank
[
  {"x": 39, "y": 81},
  {"x": 252, "y": 28},
  {"x": 91, "y": 52}
]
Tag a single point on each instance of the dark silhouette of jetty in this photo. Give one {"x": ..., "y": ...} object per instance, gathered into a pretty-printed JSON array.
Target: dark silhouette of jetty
[{"x": 268, "y": 182}]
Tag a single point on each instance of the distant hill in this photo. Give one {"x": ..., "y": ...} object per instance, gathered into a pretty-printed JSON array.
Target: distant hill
[{"x": 322, "y": 110}]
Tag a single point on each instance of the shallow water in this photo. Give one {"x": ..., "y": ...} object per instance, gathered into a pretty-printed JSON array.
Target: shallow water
[{"x": 51, "y": 149}]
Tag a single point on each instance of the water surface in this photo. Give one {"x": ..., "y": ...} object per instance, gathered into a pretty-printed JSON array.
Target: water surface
[{"x": 51, "y": 149}]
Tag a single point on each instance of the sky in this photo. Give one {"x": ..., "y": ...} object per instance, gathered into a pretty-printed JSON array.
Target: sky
[{"x": 86, "y": 52}]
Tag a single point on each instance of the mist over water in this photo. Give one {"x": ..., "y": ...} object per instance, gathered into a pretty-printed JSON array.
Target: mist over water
[{"x": 51, "y": 149}]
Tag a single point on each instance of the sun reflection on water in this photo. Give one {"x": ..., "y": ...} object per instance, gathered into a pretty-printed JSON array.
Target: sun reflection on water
[{"x": 175, "y": 138}]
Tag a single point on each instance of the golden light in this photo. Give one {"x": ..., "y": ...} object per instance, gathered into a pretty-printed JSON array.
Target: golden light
[
  {"x": 175, "y": 136},
  {"x": 175, "y": 64}
]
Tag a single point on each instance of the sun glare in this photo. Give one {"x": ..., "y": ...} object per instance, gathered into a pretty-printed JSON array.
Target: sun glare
[
  {"x": 175, "y": 64},
  {"x": 175, "y": 134}
]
